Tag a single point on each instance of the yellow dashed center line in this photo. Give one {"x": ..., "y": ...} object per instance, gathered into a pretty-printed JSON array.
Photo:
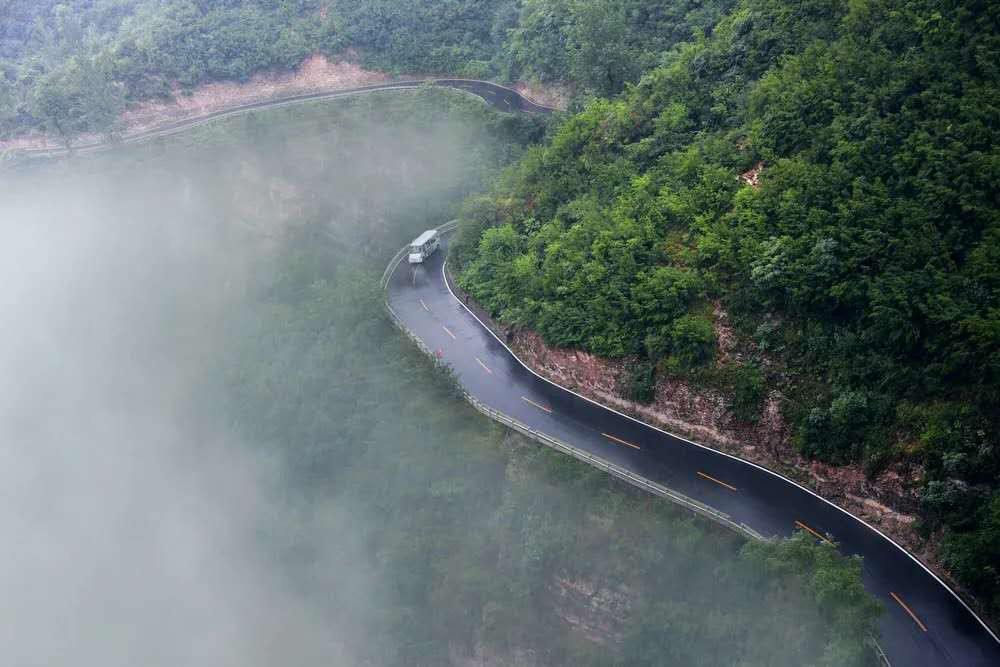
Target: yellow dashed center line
[
  {"x": 448, "y": 331},
  {"x": 816, "y": 534},
  {"x": 908, "y": 611},
  {"x": 485, "y": 367},
  {"x": 717, "y": 481},
  {"x": 540, "y": 407},
  {"x": 425, "y": 306},
  {"x": 620, "y": 441}
]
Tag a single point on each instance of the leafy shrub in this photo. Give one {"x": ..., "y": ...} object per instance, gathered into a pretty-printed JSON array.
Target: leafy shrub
[
  {"x": 837, "y": 433},
  {"x": 692, "y": 341},
  {"x": 747, "y": 388},
  {"x": 974, "y": 556},
  {"x": 639, "y": 380}
]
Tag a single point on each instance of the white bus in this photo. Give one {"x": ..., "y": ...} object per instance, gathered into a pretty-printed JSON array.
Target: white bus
[{"x": 423, "y": 246}]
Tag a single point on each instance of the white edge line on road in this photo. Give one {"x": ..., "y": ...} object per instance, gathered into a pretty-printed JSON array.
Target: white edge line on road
[{"x": 735, "y": 458}]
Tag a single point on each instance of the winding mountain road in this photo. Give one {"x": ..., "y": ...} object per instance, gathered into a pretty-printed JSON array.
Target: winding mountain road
[{"x": 925, "y": 622}]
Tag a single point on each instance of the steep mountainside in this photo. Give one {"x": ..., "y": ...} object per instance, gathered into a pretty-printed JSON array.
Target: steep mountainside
[{"x": 823, "y": 178}]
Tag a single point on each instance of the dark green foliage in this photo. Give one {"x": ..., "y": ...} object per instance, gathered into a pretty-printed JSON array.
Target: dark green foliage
[
  {"x": 602, "y": 45},
  {"x": 974, "y": 555},
  {"x": 148, "y": 48},
  {"x": 962, "y": 461},
  {"x": 692, "y": 341},
  {"x": 865, "y": 261},
  {"x": 837, "y": 433},
  {"x": 746, "y": 386},
  {"x": 639, "y": 379}
]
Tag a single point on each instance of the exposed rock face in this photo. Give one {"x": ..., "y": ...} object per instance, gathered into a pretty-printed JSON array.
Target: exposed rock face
[
  {"x": 703, "y": 415},
  {"x": 752, "y": 177},
  {"x": 547, "y": 94},
  {"x": 677, "y": 406},
  {"x": 597, "y": 613},
  {"x": 315, "y": 74}
]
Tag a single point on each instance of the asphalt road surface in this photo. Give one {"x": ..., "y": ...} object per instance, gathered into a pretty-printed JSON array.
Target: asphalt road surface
[{"x": 924, "y": 623}]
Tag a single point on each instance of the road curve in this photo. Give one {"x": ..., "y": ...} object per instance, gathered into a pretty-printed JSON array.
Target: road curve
[
  {"x": 495, "y": 95},
  {"x": 925, "y": 622}
]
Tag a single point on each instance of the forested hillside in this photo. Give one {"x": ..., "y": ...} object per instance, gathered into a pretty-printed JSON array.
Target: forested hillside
[
  {"x": 71, "y": 66},
  {"x": 825, "y": 173},
  {"x": 336, "y": 502}
]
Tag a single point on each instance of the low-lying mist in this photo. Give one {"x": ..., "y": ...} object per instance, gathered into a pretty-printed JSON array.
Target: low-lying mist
[
  {"x": 215, "y": 450},
  {"x": 142, "y": 528}
]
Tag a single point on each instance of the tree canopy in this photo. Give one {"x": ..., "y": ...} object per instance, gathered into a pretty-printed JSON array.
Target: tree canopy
[
  {"x": 860, "y": 267},
  {"x": 120, "y": 51}
]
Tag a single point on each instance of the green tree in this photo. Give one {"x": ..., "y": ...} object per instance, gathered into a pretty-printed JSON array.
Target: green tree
[
  {"x": 81, "y": 97},
  {"x": 692, "y": 341},
  {"x": 834, "y": 581}
]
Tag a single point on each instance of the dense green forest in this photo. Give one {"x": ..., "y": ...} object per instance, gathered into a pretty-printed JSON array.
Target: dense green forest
[
  {"x": 860, "y": 269},
  {"x": 418, "y": 530},
  {"x": 71, "y": 66},
  {"x": 824, "y": 172}
]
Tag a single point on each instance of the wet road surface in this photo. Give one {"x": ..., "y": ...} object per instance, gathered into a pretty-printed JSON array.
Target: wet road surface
[{"x": 924, "y": 623}]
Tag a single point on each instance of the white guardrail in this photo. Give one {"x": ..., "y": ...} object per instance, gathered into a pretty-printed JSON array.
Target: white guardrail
[{"x": 601, "y": 464}]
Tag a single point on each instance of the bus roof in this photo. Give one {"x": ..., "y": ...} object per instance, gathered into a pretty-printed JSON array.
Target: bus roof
[{"x": 425, "y": 237}]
